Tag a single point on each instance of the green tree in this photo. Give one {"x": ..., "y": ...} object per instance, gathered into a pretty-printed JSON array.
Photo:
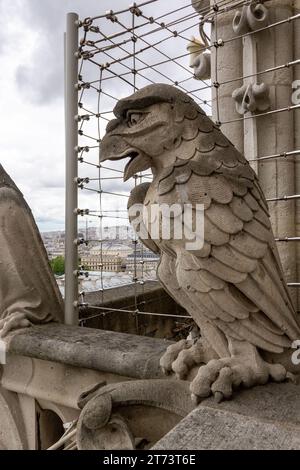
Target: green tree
[{"x": 58, "y": 265}]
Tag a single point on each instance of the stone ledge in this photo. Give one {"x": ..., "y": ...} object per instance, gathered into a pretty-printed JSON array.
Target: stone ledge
[
  {"x": 211, "y": 429},
  {"x": 265, "y": 417},
  {"x": 119, "y": 353}
]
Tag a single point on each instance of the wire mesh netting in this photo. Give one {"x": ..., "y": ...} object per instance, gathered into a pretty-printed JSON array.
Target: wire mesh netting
[{"x": 120, "y": 52}]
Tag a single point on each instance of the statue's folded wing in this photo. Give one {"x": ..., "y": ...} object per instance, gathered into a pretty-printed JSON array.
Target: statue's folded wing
[
  {"x": 135, "y": 211},
  {"x": 27, "y": 284},
  {"x": 236, "y": 279}
]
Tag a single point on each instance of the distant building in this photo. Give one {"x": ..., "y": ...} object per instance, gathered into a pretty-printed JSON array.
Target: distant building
[
  {"x": 143, "y": 259},
  {"x": 118, "y": 258},
  {"x": 54, "y": 243},
  {"x": 115, "y": 254},
  {"x": 106, "y": 257},
  {"x": 120, "y": 232}
]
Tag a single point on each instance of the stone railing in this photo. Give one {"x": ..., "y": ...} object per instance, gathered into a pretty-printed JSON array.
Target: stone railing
[{"x": 53, "y": 371}]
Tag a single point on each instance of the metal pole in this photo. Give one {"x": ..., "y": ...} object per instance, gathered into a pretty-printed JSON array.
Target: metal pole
[{"x": 71, "y": 129}]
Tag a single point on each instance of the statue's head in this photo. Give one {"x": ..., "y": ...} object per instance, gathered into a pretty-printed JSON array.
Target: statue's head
[{"x": 153, "y": 127}]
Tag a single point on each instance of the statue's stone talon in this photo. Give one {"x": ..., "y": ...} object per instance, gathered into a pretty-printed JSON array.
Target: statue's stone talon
[
  {"x": 187, "y": 359},
  {"x": 219, "y": 377},
  {"x": 183, "y": 356},
  {"x": 292, "y": 378},
  {"x": 172, "y": 353}
]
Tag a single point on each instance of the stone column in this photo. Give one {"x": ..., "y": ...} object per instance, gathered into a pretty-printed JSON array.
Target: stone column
[
  {"x": 297, "y": 138},
  {"x": 275, "y": 132},
  {"x": 229, "y": 65}
]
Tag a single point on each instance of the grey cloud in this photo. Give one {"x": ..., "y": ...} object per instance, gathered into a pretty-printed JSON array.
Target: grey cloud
[
  {"x": 55, "y": 182},
  {"x": 42, "y": 80}
]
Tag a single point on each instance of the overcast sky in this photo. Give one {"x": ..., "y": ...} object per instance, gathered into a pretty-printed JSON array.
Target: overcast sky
[{"x": 31, "y": 93}]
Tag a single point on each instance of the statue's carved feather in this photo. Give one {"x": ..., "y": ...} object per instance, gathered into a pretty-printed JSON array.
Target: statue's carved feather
[
  {"x": 234, "y": 286},
  {"x": 253, "y": 303}
]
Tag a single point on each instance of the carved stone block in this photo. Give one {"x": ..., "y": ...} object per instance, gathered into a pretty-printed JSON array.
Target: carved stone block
[
  {"x": 252, "y": 97},
  {"x": 250, "y": 18}
]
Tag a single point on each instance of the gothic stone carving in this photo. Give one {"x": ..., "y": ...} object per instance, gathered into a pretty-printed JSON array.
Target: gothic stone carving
[
  {"x": 252, "y": 97},
  {"x": 250, "y": 18},
  {"x": 234, "y": 285},
  {"x": 125, "y": 415},
  {"x": 200, "y": 60},
  {"x": 28, "y": 290}
]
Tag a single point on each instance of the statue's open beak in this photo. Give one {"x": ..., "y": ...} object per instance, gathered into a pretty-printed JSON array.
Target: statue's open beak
[{"x": 113, "y": 147}]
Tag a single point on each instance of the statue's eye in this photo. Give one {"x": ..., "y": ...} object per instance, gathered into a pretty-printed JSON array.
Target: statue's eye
[{"x": 134, "y": 118}]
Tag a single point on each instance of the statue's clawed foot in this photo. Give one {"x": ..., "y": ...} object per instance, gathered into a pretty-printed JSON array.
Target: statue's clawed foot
[
  {"x": 219, "y": 377},
  {"x": 14, "y": 321},
  {"x": 182, "y": 356}
]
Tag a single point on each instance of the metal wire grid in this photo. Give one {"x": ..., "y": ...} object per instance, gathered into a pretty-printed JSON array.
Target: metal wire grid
[
  {"x": 113, "y": 64},
  {"x": 102, "y": 115}
]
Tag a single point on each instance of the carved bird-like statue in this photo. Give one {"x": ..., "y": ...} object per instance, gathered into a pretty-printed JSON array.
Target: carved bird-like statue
[{"x": 233, "y": 286}]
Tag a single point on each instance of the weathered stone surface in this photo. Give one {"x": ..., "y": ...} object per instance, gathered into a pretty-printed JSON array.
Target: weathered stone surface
[
  {"x": 296, "y": 28},
  {"x": 273, "y": 402},
  {"x": 119, "y": 353},
  {"x": 208, "y": 428},
  {"x": 118, "y": 416},
  {"x": 262, "y": 418},
  {"x": 277, "y": 133},
  {"x": 229, "y": 61},
  {"x": 12, "y": 430}
]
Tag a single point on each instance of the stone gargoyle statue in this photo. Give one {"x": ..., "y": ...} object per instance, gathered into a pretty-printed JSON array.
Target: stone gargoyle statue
[
  {"x": 28, "y": 290},
  {"x": 233, "y": 286}
]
